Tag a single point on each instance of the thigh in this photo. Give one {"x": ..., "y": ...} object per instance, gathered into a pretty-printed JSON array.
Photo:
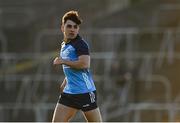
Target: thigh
[
  {"x": 63, "y": 113},
  {"x": 93, "y": 115}
]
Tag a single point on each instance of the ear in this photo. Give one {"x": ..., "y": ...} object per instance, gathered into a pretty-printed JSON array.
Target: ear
[{"x": 62, "y": 28}]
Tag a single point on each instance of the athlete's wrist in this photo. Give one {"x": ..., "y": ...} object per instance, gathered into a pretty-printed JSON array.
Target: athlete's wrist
[{"x": 63, "y": 61}]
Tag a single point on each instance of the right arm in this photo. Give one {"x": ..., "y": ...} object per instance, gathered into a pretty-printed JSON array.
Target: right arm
[{"x": 83, "y": 62}]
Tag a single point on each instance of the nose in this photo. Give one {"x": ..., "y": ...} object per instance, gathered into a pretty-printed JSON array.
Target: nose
[{"x": 72, "y": 30}]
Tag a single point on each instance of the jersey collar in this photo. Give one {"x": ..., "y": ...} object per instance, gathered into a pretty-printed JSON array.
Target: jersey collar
[{"x": 78, "y": 37}]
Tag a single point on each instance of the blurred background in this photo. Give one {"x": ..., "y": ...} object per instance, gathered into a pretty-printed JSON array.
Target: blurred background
[{"x": 135, "y": 58}]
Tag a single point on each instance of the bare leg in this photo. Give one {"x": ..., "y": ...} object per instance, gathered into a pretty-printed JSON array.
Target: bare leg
[
  {"x": 93, "y": 115},
  {"x": 63, "y": 113}
]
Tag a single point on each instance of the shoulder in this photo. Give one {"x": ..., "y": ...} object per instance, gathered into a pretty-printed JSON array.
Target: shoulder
[
  {"x": 80, "y": 44},
  {"x": 81, "y": 47}
]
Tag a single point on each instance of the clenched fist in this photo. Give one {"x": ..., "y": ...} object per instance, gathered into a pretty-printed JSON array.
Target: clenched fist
[{"x": 58, "y": 61}]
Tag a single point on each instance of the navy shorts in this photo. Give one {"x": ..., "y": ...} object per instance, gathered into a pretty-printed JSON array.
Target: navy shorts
[{"x": 84, "y": 102}]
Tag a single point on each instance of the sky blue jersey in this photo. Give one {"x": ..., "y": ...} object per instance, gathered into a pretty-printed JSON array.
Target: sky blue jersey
[{"x": 78, "y": 80}]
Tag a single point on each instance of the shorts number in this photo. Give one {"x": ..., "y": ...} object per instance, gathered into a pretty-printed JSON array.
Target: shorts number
[{"x": 92, "y": 97}]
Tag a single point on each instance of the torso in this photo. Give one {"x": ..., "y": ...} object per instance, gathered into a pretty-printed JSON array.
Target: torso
[{"x": 78, "y": 80}]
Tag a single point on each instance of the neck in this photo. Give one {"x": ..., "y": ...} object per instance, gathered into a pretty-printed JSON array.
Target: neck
[{"x": 66, "y": 40}]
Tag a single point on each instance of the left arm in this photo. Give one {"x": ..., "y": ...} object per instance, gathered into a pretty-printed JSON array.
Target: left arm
[{"x": 83, "y": 62}]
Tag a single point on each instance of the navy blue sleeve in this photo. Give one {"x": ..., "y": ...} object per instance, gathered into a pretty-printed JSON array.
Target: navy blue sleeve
[{"x": 81, "y": 48}]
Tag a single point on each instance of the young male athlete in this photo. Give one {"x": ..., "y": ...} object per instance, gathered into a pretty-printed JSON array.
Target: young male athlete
[{"x": 78, "y": 91}]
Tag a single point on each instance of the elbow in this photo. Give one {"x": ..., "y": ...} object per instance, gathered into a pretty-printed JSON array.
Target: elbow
[{"x": 85, "y": 66}]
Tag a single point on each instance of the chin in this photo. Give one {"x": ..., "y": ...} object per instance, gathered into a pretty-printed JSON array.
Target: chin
[{"x": 70, "y": 38}]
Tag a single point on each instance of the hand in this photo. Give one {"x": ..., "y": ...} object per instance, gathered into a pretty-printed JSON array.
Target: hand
[{"x": 58, "y": 61}]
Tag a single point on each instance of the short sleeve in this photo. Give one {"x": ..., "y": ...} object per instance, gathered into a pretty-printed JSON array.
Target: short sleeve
[{"x": 81, "y": 48}]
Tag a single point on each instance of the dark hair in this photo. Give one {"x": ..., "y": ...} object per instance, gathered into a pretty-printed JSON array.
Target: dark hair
[{"x": 73, "y": 16}]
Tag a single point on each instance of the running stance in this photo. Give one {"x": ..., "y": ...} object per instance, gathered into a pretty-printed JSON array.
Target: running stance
[{"x": 78, "y": 91}]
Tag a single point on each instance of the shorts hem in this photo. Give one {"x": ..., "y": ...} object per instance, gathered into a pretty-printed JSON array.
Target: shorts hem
[
  {"x": 68, "y": 105},
  {"x": 89, "y": 109}
]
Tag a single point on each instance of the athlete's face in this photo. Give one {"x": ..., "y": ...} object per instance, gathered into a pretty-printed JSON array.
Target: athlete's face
[{"x": 70, "y": 29}]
